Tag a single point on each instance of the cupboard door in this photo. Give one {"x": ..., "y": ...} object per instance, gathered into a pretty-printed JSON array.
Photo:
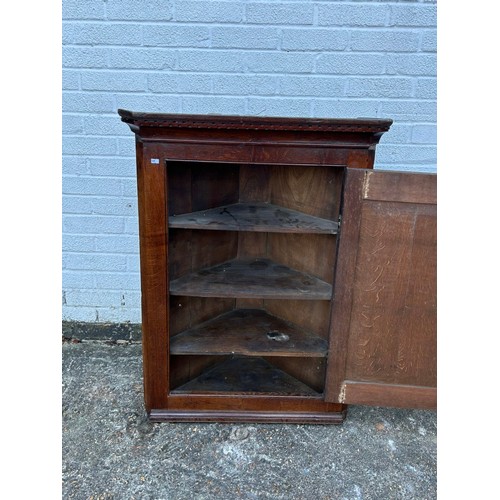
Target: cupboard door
[{"x": 383, "y": 328}]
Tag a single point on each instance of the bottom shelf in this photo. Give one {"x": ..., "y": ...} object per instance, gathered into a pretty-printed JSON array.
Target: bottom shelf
[{"x": 247, "y": 375}]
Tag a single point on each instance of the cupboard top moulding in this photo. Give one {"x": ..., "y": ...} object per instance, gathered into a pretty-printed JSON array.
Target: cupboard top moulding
[{"x": 260, "y": 140}]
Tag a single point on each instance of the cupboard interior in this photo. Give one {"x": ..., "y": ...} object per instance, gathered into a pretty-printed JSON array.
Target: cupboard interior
[{"x": 251, "y": 253}]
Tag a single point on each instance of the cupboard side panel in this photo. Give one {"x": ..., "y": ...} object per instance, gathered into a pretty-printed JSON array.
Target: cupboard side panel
[{"x": 151, "y": 180}]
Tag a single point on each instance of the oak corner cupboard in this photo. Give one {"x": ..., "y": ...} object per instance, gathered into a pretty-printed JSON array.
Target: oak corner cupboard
[{"x": 282, "y": 277}]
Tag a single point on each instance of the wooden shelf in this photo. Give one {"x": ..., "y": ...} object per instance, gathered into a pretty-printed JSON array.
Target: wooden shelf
[
  {"x": 252, "y": 278},
  {"x": 257, "y": 217},
  {"x": 251, "y": 332},
  {"x": 246, "y": 375}
]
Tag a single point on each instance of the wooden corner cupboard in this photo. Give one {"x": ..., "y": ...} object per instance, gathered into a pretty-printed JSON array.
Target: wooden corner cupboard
[{"x": 282, "y": 277}]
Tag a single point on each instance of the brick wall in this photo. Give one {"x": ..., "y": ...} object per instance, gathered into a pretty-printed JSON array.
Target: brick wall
[{"x": 292, "y": 58}]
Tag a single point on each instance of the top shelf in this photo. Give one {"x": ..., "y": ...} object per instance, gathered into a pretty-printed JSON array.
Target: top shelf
[{"x": 257, "y": 217}]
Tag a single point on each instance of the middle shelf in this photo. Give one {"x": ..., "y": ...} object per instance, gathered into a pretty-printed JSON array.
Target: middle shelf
[
  {"x": 251, "y": 278},
  {"x": 251, "y": 332}
]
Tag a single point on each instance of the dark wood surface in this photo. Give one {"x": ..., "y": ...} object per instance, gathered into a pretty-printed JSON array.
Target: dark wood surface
[
  {"x": 312, "y": 254},
  {"x": 251, "y": 375},
  {"x": 403, "y": 187},
  {"x": 260, "y": 217},
  {"x": 261, "y": 140},
  {"x": 252, "y": 402},
  {"x": 251, "y": 332},
  {"x": 313, "y": 315},
  {"x": 392, "y": 395},
  {"x": 191, "y": 250},
  {"x": 252, "y": 278},
  {"x": 324, "y": 416},
  {"x": 171, "y": 120},
  {"x": 345, "y": 269},
  {"x": 391, "y": 334},
  {"x": 314, "y": 191},
  {"x": 190, "y": 163},
  {"x": 188, "y": 312},
  {"x": 154, "y": 274},
  {"x": 185, "y": 313},
  {"x": 267, "y": 408},
  {"x": 182, "y": 369},
  {"x": 310, "y": 371}
]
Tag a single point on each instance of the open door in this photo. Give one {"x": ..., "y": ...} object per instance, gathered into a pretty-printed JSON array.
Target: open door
[{"x": 383, "y": 330}]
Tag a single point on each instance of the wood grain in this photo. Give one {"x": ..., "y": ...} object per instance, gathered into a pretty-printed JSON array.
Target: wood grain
[
  {"x": 189, "y": 163},
  {"x": 245, "y": 375},
  {"x": 312, "y": 254},
  {"x": 388, "y": 287},
  {"x": 213, "y": 185},
  {"x": 193, "y": 250},
  {"x": 254, "y": 183},
  {"x": 185, "y": 313},
  {"x": 186, "y": 368},
  {"x": 250, "y": 332},
  {"x": 392, "y": 395},
  {"x": 189, "y": 312},
  {"x": 313, "y": 191},
  {"x": 400, "y": 187},
  {"x": 313, "y": 315},
  {"x": 252, "y": 278},
  {"x": 154, "y": 274},
  {"x": 310, "y": 371},
  {"x": 260, "y": 217},
  {"x": 393, "y": 319},
  {"x": 169, "y": 120},
  {"x": 179, "y": 183},
  {"x": 280, "y": 416}
]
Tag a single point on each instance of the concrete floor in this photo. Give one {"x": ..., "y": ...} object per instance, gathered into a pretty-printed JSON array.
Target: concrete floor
[{"x": 111, "y": 451}]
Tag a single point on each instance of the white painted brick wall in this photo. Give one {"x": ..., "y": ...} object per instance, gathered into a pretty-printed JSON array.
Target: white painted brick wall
[{"x": 292, "y": 58}]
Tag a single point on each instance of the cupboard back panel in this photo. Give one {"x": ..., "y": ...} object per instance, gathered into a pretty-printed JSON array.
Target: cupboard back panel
[
  {"x": 188, "y": 312},
  {"x": 310, "y": 253},
  {"x": 194, "y": 186},
  {"x": 310, "y": 371},
  {"x": 312, "y": 315},
  {"x": 178, "y": 187},
  {"x": 312, "y": 190},
  {"x": 186, "y": 368},
  {"x": 254, "y": 183},
  {"x": 191, "y": 250},
  {"x": 252, "y": 245}
]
